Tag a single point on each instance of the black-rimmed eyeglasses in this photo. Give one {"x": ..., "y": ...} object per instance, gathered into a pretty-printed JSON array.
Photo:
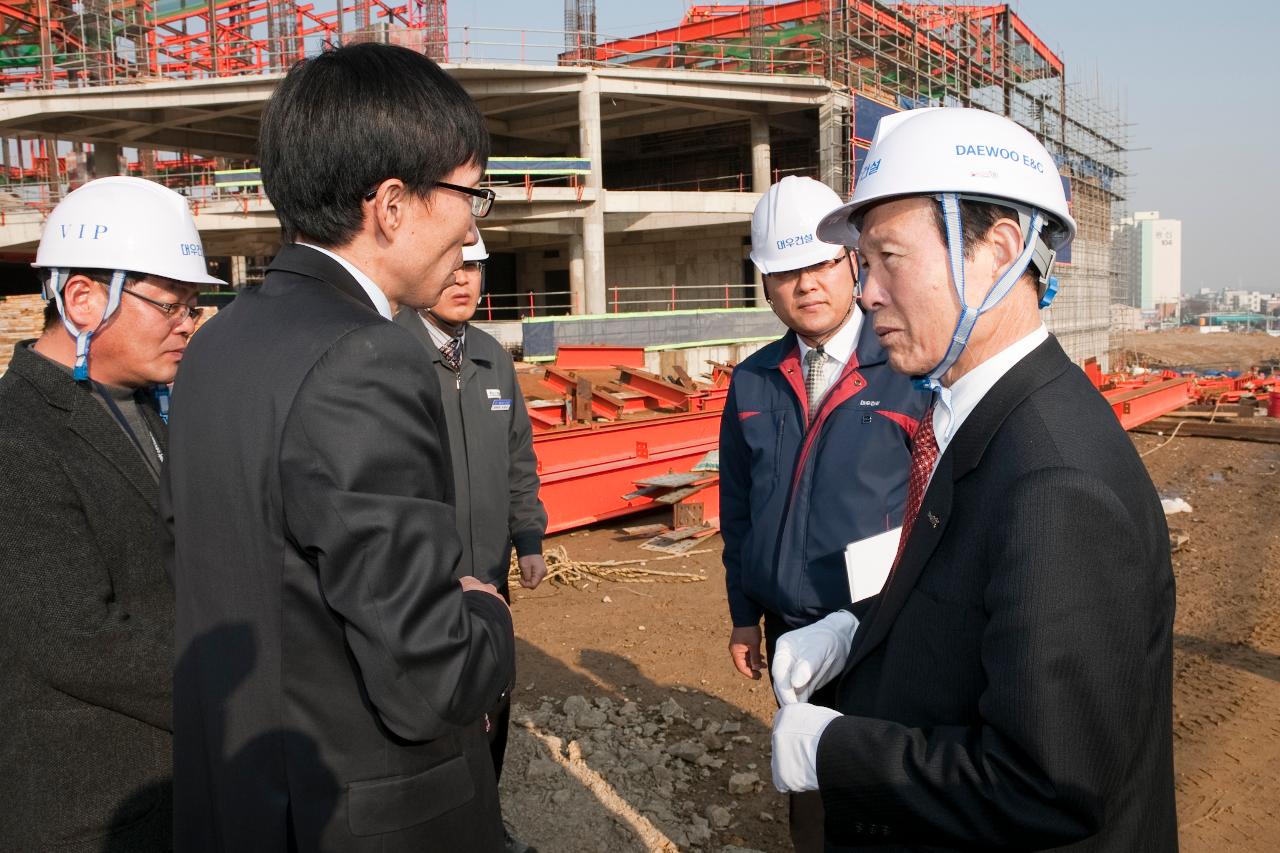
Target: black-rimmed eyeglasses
[
  {"x": 176, "y": 311},
  {"x": 481, "y": 197}
]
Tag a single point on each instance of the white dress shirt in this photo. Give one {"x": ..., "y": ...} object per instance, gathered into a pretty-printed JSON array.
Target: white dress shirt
[
  {"x": 839, "y": 350},
  {"x": 379, "y": 299},
  {"x": 956, "y": 402}
]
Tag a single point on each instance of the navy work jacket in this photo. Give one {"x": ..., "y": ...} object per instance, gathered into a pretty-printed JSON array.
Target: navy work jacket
[{"x": 795, "y": 489}]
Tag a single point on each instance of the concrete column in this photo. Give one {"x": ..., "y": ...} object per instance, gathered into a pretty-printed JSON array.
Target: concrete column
[
  {"x": 761, "y": 175},
  {"x": 106, "y": 159},
  {"x": 833, "y": 142},
  {"x": 239, "y": 271},
  {"x": 761, "y": 166},
  {"x": 577, "y": 276},
  {"x": 593, "y": 260}
]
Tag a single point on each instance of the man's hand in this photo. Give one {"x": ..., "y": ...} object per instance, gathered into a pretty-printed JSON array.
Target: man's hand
[
  {"x": 809, "y": 657},
  {"x": 744, "y": 648},
  {"x": 796, "y": 732},
  {"x": 532, "y": 570},
  {"x": 469, "y": 583}
]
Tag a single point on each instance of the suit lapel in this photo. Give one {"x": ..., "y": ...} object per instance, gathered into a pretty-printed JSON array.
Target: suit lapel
[
  {"x": 962, "y": 455},
  {"x": 924, "y": 537},
  {"x": 90, "y": 422}
]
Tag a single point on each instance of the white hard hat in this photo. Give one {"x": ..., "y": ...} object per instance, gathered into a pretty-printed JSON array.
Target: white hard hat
[
  {"x": 783, "y": 225},
  {"x": 477, "y": 252},
  {"x": 123, "y": 223},
  {"x": 973, "y": 153}
]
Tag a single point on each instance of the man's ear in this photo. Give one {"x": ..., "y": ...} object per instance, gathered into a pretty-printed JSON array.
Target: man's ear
[
  {"x": 389, "y": 207},
  {"x": 1005, "y": 242},
  {"x": 83, "y": 301}
]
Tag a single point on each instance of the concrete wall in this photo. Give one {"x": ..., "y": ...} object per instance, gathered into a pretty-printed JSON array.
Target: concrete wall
[{"x": 643, "y": 267}]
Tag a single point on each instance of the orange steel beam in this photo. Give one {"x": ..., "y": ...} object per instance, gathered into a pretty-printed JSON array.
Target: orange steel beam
[
  {"x": 585, "y": 471},
  {"x": 957, "y": 14},
  {"x": 1136, "y": 406},
  {"x": 720, "y": 26},
  {"x": 598, "y": 356}
]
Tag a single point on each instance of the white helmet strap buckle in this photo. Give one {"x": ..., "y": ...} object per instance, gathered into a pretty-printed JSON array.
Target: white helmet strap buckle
[{"x": 932, "y": 381}]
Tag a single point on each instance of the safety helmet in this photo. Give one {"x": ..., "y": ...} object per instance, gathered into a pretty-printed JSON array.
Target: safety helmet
[
  {"x": 783, "y": 225},
  {"x": 121, "y": 225},
  {"x": 956, "y": 154},
  {"x": 476, "y": 252},
  {"x": 974, "y": 153}
]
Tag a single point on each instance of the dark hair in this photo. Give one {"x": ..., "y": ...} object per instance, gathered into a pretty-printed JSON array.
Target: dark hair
[
  {"x": 344, "y": 121},
  {"x": 976, "y": 220}
]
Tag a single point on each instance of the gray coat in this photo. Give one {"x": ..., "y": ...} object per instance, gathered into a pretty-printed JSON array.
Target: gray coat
[
  {"x": 495, "y": 473},
  {"x": 86, "y": 624}
]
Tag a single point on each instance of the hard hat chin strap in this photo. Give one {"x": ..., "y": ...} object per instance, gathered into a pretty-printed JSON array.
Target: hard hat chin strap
[
  {"x": 932, "y": 381},
  {"x": 53, "y": 290}
]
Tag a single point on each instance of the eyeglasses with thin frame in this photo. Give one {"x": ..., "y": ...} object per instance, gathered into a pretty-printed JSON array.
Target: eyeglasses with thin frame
[
  {"x": 787, "y": 278},
  {"x": 176, "y": 311},
  {"x": 481, "y": 197}
]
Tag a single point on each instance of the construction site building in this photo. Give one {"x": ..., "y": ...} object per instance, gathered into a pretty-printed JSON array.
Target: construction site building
[{"x": 626, "y": 168}]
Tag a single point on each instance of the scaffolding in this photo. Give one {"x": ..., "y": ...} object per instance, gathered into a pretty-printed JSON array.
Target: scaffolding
[
  {"x": 882, "y": 58},
  {"x": 56, "y": 43}
]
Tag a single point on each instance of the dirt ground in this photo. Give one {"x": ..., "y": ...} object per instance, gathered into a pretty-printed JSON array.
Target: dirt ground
[
  {"x": 637, "y": 780},
  {"x": 1188, "y": 348}
]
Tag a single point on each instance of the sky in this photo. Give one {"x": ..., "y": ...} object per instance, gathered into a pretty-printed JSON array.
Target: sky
[{"x": 1199, "y": 86}]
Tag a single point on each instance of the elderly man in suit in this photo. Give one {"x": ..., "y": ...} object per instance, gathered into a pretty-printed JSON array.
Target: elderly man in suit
[
  {"x": 1010, "y": 688},
  {"x": 334, "y": 674},
  {"x": 86, "y": 619}
]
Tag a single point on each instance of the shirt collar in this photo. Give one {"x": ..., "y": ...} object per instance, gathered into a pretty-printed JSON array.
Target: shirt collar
[
  {"x": 439, "y": 336},
  {"x": 842, "y": 343},
  {"x": 958, "y": 401},
  {"x": 376, "y": 296}
]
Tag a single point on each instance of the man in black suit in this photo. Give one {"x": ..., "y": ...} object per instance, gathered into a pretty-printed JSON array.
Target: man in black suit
[
  {"x": 310, "y": 495},
  {"x": 1010, "y": 687},
  {"x": 86, "y": 610}
]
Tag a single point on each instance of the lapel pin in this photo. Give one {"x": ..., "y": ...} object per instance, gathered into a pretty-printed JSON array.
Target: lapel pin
[{"x": 933, "y": 519}]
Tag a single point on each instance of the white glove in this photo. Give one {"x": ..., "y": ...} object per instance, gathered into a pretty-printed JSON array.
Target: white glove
[
  {"x": 809, "y": 657},
  {"x": 796, "y": 731}
]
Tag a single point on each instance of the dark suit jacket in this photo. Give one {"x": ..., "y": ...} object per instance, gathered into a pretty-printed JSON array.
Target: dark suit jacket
[
  {"x": 332, "y": 676},
  {"x": 1010, "y": 689},
  {"x": 495, "y": 474},
  {"x": 86, "y": 623}
]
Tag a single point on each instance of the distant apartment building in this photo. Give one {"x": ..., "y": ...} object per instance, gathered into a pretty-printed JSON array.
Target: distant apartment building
[{"x": 1154, "y": 267}]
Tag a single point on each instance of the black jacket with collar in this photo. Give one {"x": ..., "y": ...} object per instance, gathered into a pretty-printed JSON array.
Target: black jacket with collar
[
  {"x": 495, "y": 473},
  {"x": 332, "y": 676},
  {"x": 86, "y": 623},
  {"x": 1011, "y": 687}
]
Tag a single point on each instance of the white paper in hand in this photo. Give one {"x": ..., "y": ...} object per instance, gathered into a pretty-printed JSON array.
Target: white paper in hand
[{"x": 868, "y": 561}]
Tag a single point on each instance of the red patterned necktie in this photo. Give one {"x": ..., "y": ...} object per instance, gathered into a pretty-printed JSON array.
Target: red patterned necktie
[{"x": 924, "y": 453}]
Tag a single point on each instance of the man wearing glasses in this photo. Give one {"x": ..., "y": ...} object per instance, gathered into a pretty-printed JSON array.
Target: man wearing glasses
[
  {"x": 334, "y": 672},
  {"x": 815, "y": 444},
  {"x": 87, "y": 621}
]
